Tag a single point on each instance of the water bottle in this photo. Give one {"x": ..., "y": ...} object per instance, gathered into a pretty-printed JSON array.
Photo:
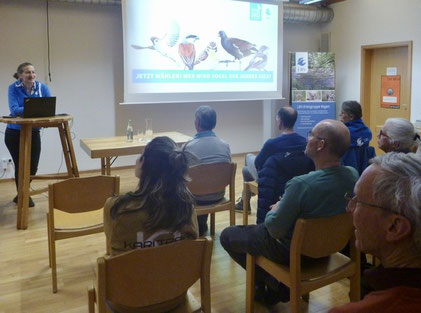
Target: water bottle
[{"x": 129, "y": 131}]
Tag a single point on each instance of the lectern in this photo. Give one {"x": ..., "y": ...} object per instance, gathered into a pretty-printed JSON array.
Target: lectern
[{"x": 62, "y": 123}]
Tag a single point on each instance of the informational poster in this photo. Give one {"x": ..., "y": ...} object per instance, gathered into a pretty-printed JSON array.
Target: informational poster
[
  {"x": 390, "y": 92},
  {"x": 312, "y": 88}
]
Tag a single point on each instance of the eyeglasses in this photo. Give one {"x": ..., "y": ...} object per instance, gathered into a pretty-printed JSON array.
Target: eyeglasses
[
  {"x": 310, "y": 134},
  {"x": 352, "y": 203},
  {"x": 381, "y": 133}
]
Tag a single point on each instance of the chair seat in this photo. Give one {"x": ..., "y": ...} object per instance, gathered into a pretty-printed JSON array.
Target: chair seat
[
  {"x": 214, "y": 207},
  {"x": 68, "y": 221}
]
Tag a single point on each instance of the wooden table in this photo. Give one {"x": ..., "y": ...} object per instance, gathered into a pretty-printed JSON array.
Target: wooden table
[
  {"x": 112, "y": 147},
  {"x": 62, "y": 123}
]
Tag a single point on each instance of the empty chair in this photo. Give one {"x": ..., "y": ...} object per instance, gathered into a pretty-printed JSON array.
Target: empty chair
[
  {"x": 154, "y": 279},
  {"x": 76, "y": 209},
  {"x": 321, "y": 239},
  {"x": 213, "y": 178}
]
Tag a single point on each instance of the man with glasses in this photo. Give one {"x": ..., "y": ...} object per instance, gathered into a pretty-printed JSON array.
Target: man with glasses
[
  {"x": 386, "y": 209},
  {"x": 287, "y": 141},
  {"x": 317, "y": 194}
]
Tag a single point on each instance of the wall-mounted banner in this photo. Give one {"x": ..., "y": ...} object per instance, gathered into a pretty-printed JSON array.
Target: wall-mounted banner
[
  {"x": 390, "y": 93},
  {"x": 312, "y": 91}
]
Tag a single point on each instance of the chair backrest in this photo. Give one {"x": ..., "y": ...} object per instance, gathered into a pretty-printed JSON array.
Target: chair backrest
[
  {"x": 321, "y": 237},
  {"x": 145, "y": 277},
  {"x": 211, "y": 178},
  {"x": 82, "y": 194}
]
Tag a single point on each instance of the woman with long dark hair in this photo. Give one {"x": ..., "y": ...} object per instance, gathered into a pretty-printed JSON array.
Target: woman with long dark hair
[{"x": 160, "y": 210}]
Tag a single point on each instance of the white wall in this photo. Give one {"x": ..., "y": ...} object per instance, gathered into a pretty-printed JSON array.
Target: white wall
[
  {"x": 87, "y": 78},
  {"x": 366, "y": 22}
]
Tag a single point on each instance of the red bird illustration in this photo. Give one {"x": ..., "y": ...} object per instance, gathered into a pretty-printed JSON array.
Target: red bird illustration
[{"x": 187, "y": 51}]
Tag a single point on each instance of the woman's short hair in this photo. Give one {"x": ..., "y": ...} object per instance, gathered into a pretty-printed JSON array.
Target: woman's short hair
[
  {"x": 162, "y": 190},
  {"x": 352, "y": 108},
  {"x": 401, "y": 130},
  {"x": 206, "y": 117},
  {"x": 20, "y": 69},
  {"x": 399, "y": 187}
]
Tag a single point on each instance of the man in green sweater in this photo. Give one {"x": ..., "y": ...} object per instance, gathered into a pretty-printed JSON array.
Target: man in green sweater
[{"x": 317, "y": 194}]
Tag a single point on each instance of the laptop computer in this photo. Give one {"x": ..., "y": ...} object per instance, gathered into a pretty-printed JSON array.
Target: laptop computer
[{"x": 39, "y": 107}]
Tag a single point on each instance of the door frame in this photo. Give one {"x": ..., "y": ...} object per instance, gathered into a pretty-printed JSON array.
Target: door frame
[{"x": 366, "y": 52}]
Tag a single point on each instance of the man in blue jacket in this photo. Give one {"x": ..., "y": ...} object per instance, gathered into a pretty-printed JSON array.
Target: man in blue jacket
[{"x": 286, "y": 141}]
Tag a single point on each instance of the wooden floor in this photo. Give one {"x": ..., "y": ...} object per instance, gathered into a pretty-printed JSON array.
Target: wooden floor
[{"x": 25, "y": 277}]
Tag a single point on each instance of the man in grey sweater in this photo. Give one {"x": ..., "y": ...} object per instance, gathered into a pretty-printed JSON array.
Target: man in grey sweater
[{"x": 208, "y": 148}]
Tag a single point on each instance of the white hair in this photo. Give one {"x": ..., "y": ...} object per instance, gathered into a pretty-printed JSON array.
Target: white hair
[
  {"x": 401, "y": 130},
  {"x": 399, "y": 187}
]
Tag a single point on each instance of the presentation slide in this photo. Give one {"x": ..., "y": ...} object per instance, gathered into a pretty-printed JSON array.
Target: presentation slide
[{"x": 200, "y": 50}]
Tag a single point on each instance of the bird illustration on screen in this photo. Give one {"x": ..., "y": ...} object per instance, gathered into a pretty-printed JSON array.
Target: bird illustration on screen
[
  {"x": 259, "y": 60},
  {"x": 209, "y": 55},
  {"x": 164, "y": 44},
  {"x": 187, "y": 51},
  {"x": 238, "y": 48}
]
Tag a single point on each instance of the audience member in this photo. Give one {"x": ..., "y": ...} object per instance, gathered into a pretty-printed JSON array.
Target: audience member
[
  {"x": 208, "y": 148},
  {"x": 398, "y": 135},
  {"x": 287, "y": 141},
  {"x": 275, "y": 173},
  {"x": 317, "y": 194},
  {"x": 359, "y": 152},
  {"x": 160, "y": 210},
  {"x": 387, "y": 217},
  {"x": 24, "y": 86}
]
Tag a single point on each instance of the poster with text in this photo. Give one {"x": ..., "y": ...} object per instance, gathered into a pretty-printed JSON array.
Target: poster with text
[
  {"x": 390, "y": 93},
  {"x": 312, "y": 90}
]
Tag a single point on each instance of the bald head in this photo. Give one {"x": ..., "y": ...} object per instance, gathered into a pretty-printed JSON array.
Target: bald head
[{"x": 336, "y": 136}]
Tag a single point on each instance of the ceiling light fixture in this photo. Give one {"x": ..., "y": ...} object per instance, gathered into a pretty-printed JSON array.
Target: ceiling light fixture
[{"x": 309, "y": 1}]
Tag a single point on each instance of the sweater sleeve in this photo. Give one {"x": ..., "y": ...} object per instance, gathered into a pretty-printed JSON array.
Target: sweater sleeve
[
  {"x": 14, "y": 107},
  {"x": 281, "y": 219},
  {"x": 263, "y": 155},
  {"x": 45, "y": 91}
]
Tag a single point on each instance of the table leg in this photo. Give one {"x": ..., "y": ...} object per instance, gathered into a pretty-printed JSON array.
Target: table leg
[
  {"x": 24, "y": 175},
  {"x": 65, "y": 148},
  {"x": 102, "y": 166},
  {"x": 108, "y": 165},
  {"x": 71, "y": 150}
]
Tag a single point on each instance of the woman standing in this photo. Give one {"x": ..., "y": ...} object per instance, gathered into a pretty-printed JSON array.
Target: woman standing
[
  {"x": 160, "y": 210},
  {"x": 24, "y": 87}
]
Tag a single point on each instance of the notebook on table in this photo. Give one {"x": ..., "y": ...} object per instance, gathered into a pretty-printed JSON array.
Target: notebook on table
[{"x": 39, "y": 107}]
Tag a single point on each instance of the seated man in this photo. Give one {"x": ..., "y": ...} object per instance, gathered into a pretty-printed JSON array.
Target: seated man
[
  {"x": 317, "y": 194},
  {"x": 287, "y": 141},
  {"x": 208, "y": 148},
  {"x": 359, "y": 152},
  {"x": 387, "y": 219}
]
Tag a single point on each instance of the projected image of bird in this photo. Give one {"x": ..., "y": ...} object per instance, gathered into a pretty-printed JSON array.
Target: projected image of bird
[
  {"x": 187, "y": 51},
  {"x": 164, "y": 44},
  {"x": 209, "y": 55},
  {"x": 259, "y": 60},
  {"x": 238, "y": 48}
]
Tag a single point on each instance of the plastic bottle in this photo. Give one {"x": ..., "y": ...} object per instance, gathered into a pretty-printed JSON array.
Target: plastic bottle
[{"x": 129, "y": 131}]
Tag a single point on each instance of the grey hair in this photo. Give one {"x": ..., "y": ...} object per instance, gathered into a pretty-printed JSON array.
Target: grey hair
[
  {"x": 399, "y": 188},
  {"x": 206, "y": 117},
  {"x": 401, "y": 130}
]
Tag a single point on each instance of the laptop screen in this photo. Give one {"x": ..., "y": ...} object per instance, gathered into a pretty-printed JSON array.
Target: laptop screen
[{"x": 39, "y": 107}]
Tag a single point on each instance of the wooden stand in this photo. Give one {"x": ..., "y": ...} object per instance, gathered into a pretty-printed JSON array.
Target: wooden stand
[{"x": 62, "y": 123}]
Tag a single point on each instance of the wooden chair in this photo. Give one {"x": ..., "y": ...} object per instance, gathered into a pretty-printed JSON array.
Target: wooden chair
[
  {"x": 154, "y": 279},
  {"x": 76, "y": 209},
  {"x": 212, "y": 178},
  {"x": 249, "y": 188},
  {"x": 321, "y": 239}
]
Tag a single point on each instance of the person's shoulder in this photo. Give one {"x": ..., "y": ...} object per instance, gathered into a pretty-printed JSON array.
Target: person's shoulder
[{"x": 351, "y": 171}]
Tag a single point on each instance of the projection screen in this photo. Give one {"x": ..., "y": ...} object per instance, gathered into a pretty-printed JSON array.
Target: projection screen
[{"x": 201, "y": 50}]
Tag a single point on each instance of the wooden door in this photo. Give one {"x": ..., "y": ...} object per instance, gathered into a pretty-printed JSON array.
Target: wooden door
[{"x": 375, "y": 61}]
